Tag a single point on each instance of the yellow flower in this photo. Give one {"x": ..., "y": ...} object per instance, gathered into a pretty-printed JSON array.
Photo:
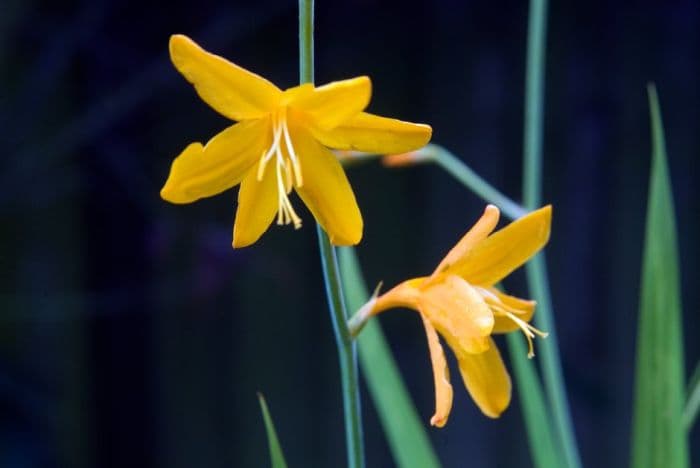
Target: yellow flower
[
  {"x": 279, "y": 144},
  {"x": 459, "y": 301}
]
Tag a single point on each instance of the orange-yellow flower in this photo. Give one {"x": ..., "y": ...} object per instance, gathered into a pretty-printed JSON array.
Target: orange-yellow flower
[
  {"x": 459, "y": 301},
  {"x": 280, "y": 143}
]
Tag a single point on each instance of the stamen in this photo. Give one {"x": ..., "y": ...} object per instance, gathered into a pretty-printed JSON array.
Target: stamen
[
  {"x": 499, "y": 308},
  {"x": 288, "y": 180},
  {"x": 290, "y": 150},
  {"x": 274, "y": 148},
  {"x": 285, "y": 213},
  {"x": 287, "y": 169}
]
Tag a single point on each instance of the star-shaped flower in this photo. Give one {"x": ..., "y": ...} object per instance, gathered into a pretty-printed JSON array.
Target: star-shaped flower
[
  {"x": 459, "y": 301},
  {"x": 280, "y": 143}
]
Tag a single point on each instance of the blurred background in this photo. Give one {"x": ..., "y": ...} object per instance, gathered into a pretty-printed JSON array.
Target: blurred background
[{"x": 132, "y": 334}]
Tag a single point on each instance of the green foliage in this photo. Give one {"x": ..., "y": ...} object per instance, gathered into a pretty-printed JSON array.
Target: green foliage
[
  {"x": 536, "y": 269},
  {"x": 276, "y": 455},
  {"x": 545, "y": 452},
  {"x": 658, "y": 436},
  {"x": 405, "y": 432}
]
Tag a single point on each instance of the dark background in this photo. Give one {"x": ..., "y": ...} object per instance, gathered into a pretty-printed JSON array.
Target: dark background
[{"x": 131, "y": 334}]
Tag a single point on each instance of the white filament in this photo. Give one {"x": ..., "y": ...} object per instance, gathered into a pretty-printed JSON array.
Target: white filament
[{"x": 287, "y": 170}]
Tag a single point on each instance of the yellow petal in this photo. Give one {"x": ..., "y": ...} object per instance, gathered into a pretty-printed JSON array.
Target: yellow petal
[
  {"x": 521, "y": 308},
  {"x": 205, "y": 171},
  {"x": 334, "y": 103},
  {"x": 441, "y": 376},
  {"x": 483, "y": 227},
  {"x": 257, "y": 206},
  {"x": 498, "y": 255},
  {"x": 486, "y": 379},
  {"x": 326, "y": 191},
  {"x": 296, "y": 92},
  {"x": 459, "y": 313},
  {"x": 374, "y": 134},
  {"x": 406, "y": 294},
  {"x": 229, "y": 89}
]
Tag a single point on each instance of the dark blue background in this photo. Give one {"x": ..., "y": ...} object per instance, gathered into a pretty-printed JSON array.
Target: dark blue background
[{"x": 131, "y": 334}]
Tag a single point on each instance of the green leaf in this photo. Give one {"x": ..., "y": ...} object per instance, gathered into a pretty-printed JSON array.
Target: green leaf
[
  {"x": 543, "y": 448},
  {"x": 276, "y": 455},
  {"x": 658, "y": 436},
  {"x": 405, "y": 432}
]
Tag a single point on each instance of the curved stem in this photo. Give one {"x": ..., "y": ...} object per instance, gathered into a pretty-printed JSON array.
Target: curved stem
[
  {"x": 470, "y": 179},
  {"x": 347, "y": 350}
]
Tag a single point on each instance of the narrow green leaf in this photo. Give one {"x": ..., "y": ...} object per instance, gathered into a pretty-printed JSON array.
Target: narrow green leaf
[
  {"x": 548, "y": 351},
  {"x": 276, "y": 455},
  {"x": 692, "y": 406},
  {"x": 543, "y": 448},
  {"x": 405, "y": 432},
  {"x": 658, "y": 436}
]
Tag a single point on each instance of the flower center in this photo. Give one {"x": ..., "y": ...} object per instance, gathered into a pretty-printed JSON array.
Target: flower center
[
  {"x": 287, "y": 167},
  {"x": 501, "y": 309}
]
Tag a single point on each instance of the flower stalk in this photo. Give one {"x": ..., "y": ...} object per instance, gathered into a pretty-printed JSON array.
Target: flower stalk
[
  {"x": 347, "y": 350},
  {"x": 536, "y": 270}
]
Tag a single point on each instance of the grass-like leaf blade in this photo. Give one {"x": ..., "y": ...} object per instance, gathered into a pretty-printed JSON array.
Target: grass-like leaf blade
[
  {"x": 658, "y": 435},
  {"x": 404, "y": 430},
  {"x": 276, "y": 455},
  {"x": 543, "y": 448}
]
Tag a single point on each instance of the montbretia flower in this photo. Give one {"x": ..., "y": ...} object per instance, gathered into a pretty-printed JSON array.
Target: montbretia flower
[
  {"x": 459, "y": 302},
  {"x": 280, "y": 143}
]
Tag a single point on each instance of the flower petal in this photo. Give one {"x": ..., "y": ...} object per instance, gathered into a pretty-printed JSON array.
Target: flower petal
[
  {"x": 200, "y": 172},
  {"x": 406, "y": 294},
  {"x": 290, "y": 95},
  {"x": 521, "y": 308},
  {"x": 483, "y": 227},
  {"x": 486, "y": 379},
  {"x": 257, "y": 206},
  {"x": 334, "y": 103},
  {"x": 441, "y": 376},
  {"x": 499, "y": 254},
  {"x": 229, "y": 89},
  {"x": 459, "y": 313},
  {"x": 326, "y": 191},
  {"x": 374, "y": 134}
]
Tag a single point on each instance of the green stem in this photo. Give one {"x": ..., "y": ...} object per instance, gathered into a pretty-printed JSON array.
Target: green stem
[
  {"x": 347, "y": 350},
  {"x": 306, "y": 41},
  {"x": 538, "y": 283},
  {"x": 463, "y": 173},
  {"x": 404, "y": 430},
  {"x": 534, "y": 100},
  {"x": 540, "y": 436},
  {"x": 536, "y": 269}
]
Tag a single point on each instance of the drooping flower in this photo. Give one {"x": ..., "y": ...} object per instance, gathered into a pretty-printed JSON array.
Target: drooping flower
[
  {"x": 459, "y": 302},
  {"x": 280, "y": 143}
]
